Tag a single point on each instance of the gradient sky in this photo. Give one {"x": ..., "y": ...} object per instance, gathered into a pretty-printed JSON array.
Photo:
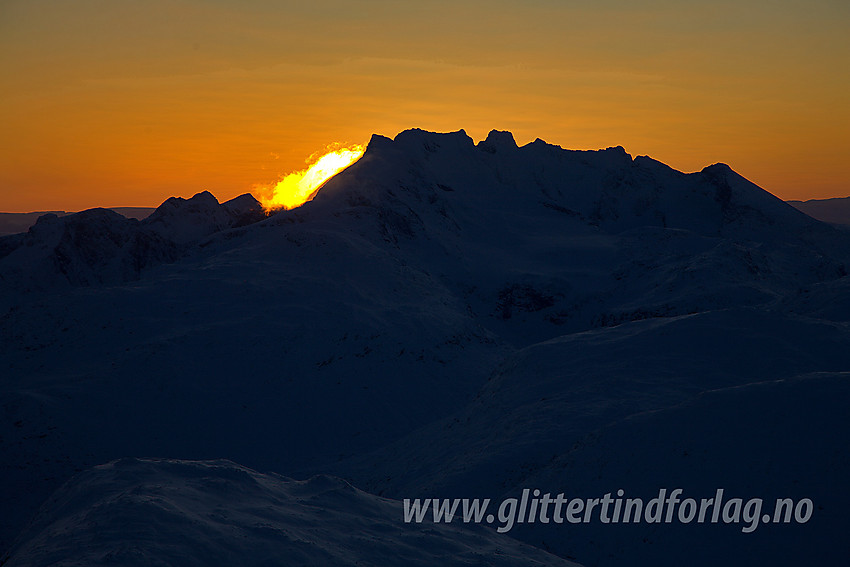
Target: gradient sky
[{"x": 125, "y": 103}]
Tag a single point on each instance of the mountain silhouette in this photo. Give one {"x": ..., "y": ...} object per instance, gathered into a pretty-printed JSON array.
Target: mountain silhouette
[{"x": 443, "y": 319}]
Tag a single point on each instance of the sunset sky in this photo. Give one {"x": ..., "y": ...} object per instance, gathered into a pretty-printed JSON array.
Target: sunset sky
[{"x": 125, "y": 102}]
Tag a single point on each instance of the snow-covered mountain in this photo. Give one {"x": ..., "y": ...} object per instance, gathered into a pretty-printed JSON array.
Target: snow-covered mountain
[
  {"x": 444, "y": 319},
  {"x": 101, "y": 246}
]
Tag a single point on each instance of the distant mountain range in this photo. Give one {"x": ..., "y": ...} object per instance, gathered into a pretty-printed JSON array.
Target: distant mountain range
[
  {"x": 835, "y": 211},
  {"x": 13, "y": 223},
  {"x": 445, "y": 319}
]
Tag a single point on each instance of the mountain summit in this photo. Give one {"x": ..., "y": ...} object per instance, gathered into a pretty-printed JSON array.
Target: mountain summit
[{"x": 605, "y": 188}]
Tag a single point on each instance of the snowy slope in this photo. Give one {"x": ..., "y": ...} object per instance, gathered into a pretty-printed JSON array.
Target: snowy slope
[
  {"x": 186, "y": 513},
  {"x": 548, "y": 396},
  {"x": 262, "y": 332},
  {"x": 442, "y": 316},
  {"x": 785, "y": 438}
]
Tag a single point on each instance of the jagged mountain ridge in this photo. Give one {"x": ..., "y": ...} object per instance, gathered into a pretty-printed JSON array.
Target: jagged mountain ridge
[
  {"x": 100, "y": 246},
  {"x": 412, "y": 290},
  {"x": 605, "y": 188},
  {"x": 561, "y": 223}
]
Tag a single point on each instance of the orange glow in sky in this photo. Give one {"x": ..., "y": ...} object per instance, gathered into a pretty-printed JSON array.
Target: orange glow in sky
[
  {"x": 297, "y": 188},
  {"x": 128, "y": 103}
]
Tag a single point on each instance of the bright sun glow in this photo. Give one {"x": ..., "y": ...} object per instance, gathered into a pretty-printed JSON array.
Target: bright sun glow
[{"x": 297, "y": 188}]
